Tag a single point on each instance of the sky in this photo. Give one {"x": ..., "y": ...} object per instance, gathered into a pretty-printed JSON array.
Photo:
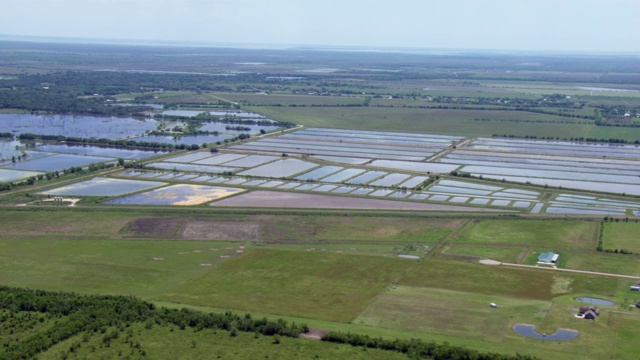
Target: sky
[{"x": 609, "y": 26}]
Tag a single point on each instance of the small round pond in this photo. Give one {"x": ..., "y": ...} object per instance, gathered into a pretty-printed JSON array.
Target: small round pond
[
  {"x": 530, "y": 331},
  {"x": 595, "y": 301}
]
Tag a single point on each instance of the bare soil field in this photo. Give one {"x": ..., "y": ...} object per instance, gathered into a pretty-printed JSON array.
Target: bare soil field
[
  {"x": 221, "y": 230},
  {"x": 290, "y": 200},
  {"x": 153, "y": 227}
]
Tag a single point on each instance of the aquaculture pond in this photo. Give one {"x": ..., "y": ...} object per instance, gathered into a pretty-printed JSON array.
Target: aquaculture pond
[
  {"x": 179, "y": 195},
  {"x": 75, "y": 126},
  {"x": 13, "y": 175},
  {"x": 191, "y": 167},
  {"x": 280, "y": 168},
  {"x": 8, "y": 149},
  {"x": 226, "y": 128},
  {"x": 319, "y": 173},
  {"x": 100, "y": 186},
  {"x": 128, "y": 154},
  {"x": 56, "y": 162},
  {"x": 251, "y": 161},
  {"x": 184, "y": 139},
  {"x": 415, "y": 166}
]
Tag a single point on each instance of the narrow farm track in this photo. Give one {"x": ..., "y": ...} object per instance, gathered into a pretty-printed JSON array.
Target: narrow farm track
[{"x": 572, "y": 271}]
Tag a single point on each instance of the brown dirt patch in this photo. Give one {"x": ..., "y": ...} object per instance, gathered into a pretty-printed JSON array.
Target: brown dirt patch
[
  {"x": 221, "y": 230},
  {"x": 153, "y": 227},
  {"x": 314, "y": 334}
]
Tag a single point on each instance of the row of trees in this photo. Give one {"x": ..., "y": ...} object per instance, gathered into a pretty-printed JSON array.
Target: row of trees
[
  {"x": 76, "y": 314},
  {"x": 575, "y": 139},
  {"x": 418, "y": 349}
]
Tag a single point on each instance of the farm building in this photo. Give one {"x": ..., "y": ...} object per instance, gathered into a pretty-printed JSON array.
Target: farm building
[
  {"x": 589, "y": 313},
  {"x": 548, "y": 258}
]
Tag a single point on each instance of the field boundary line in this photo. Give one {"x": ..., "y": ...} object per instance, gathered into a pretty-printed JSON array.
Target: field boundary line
[{"x": 634, "y": 277}]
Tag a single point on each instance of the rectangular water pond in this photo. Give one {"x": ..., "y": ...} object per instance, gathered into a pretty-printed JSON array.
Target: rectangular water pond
[
  {"x": 187, "y": 158},
  {"x": 127, "y": 154},
  {"x": 280, "y": 168},
  {"x": 319, "y": 173},
  {"x": 251, "y": 161},
  {"x": 366, "y": 177},
  {"x": 57, "y": 162},
  {"x": 13, "y": 175},
  {"x": 343, "y": 175},
  {"x": 218, "y": 159},
  {"x": 390, "y": 180},
  {"x": 180, "y": 195},
  {"x": 104, "y": 187},
  {"x": 192, "y": 167}
]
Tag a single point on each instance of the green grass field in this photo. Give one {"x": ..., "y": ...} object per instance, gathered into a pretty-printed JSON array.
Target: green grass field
[
  {"x": 621, "y": 235},
  {"x": 539, "y": 233},
  {"x": 142, "y": 268},
  {"x": 319, "y": 285},
  {"x": 446, "y": 311},
  {"x": 505, "y": 281}
]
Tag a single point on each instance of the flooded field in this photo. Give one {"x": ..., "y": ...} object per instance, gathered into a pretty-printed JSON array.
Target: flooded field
[
  {"x": 280, "y": 168},
  {"x": 8, "y": 149},
  {"x": 13, "y": 175},
  {"x": 104, "y": 187},
  {"x": 128, "y": 154},
  {"x": 177, "y": 195},
  {"x": 184, "y": 139},
  {"x": 297, "y": 200},
  {"x": 75, "y": 126},
  {"x": 55, "y": 162}
]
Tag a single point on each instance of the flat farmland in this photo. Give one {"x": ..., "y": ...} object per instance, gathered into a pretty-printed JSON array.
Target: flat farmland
[
  {"x": 324, "y": 286},
  {"x": 286, "y": 99},
  {"x": 622, "y": 235},
  {"x": 454, "y": 312},
  {"x": 539, "y": 233},
  {"x": 532, "y": 284},
  {"x": 358, "y": 229},
  {"x": 440, "y": 121},
  {"x": 510, "y": 254},
  {"x": 141, "y": 268}
]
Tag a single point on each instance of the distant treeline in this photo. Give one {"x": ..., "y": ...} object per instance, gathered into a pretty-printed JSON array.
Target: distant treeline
[
  {"x": 124, "y": 142},
  {"x": 88, "y": 315},
  {"x": 74, "y": 92},
  {"x": 576, "y": 139},
  {"x": 76, "y": 314},
  {"x": 416, "y": 348}
]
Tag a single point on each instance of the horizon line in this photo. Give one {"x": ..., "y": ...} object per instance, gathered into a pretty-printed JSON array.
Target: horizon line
[{"x": 312, "y": 47}]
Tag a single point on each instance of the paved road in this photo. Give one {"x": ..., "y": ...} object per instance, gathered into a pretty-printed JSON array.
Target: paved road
[{"x": 492, "y": 262}]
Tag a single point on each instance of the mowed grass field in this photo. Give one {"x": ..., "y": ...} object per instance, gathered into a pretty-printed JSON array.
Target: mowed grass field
[
  {"x": 522, "y": 241},
  {"x": 534, "y": 284},
  {"x": 621, "y": 235},
  {"x": 141, "y": 268},
  {"x": 539, "y": 233},
  {"x": 448, "y": 311},
  {"x": 320, "y": 285},
  {"x": 358, "y": 229},
  {"x": 443, "y": 121}
]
